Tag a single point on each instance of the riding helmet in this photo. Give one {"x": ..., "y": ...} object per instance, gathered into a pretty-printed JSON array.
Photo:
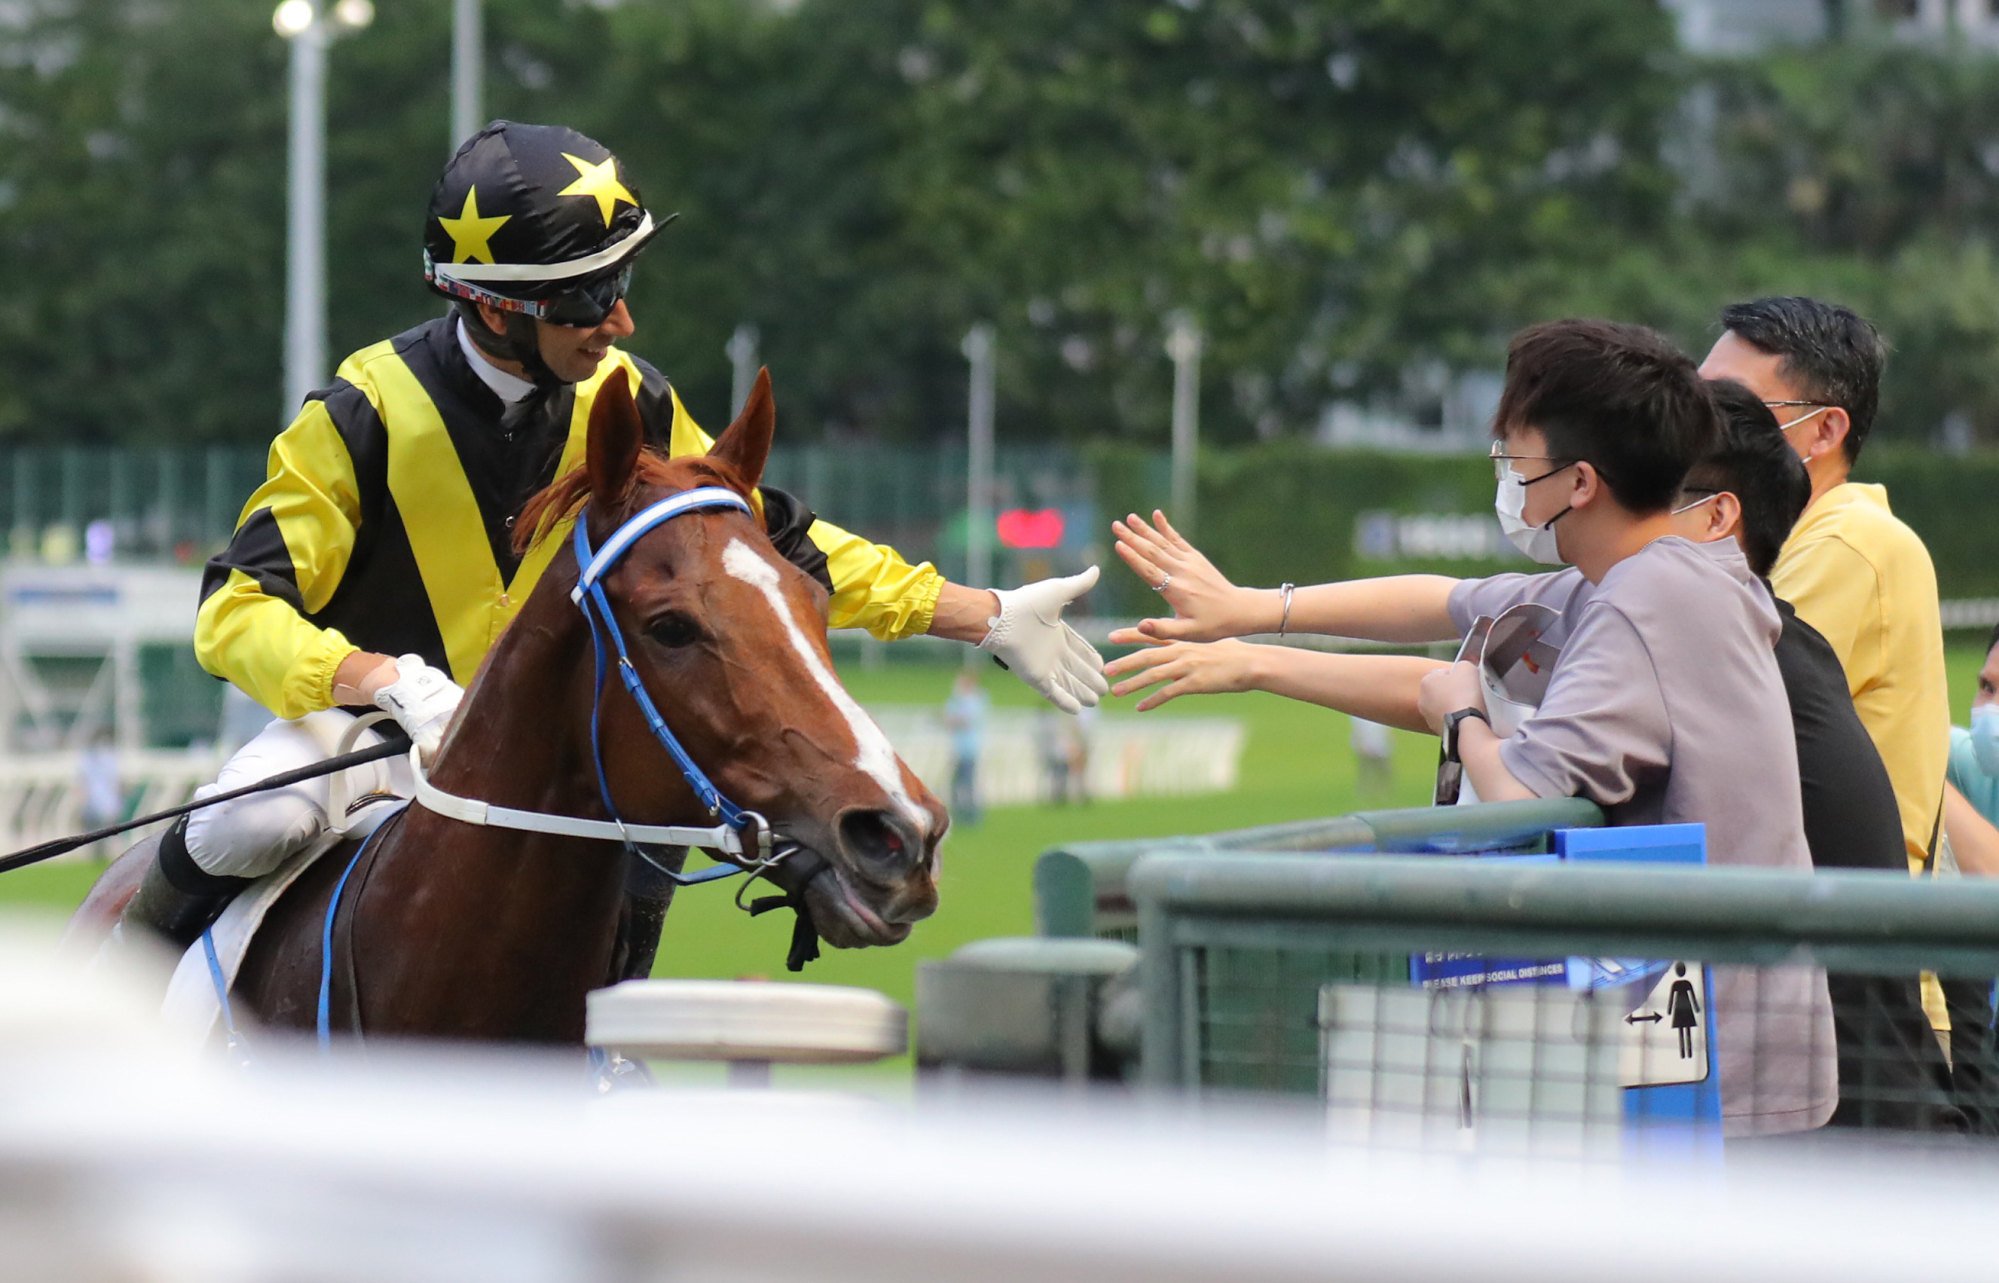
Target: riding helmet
[{"x": 537, "y": 221}]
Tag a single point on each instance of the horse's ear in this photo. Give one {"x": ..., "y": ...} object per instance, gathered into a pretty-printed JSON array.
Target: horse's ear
[
  {"x": 746, "y": 445},
  {"x": 615, "y": 437}
]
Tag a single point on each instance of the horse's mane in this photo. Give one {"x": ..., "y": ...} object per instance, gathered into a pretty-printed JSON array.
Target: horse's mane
[{"x": 567, "y": 493}]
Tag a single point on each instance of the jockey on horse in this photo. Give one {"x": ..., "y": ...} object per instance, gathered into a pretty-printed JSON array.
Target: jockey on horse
[{"x": 374, "y": 566}]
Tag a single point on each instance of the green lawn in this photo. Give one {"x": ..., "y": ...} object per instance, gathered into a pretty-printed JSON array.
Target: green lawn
[{"x": 1296, "y": 765}]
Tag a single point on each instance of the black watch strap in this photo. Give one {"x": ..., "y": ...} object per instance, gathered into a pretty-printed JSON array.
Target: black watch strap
[{"x": 1451, "y": 723}]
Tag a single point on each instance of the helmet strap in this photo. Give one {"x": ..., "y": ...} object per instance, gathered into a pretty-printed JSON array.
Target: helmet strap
[{"x": 516, "y": 342}]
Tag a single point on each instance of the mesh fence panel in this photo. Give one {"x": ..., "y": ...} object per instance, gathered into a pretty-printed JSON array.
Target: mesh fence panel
[{"x": 1427, "y": 1004}]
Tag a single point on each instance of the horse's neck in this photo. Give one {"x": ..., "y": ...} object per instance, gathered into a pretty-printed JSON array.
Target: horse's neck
[{"x": 520, "y": 735}]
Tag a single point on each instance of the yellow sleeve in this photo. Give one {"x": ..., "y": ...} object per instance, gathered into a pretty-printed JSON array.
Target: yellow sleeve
[
  {"x": 1837, "y": 591},
  {"x": 288, "y": 554},
  {"x": 873, "y": 586}
]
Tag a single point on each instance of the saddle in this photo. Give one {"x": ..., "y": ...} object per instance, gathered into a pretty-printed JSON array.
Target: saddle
[{"x": 360, "y": 802}]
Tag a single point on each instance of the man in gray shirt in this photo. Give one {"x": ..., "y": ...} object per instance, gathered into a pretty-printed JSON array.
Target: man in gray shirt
[{"x": 1666, "y": 704}]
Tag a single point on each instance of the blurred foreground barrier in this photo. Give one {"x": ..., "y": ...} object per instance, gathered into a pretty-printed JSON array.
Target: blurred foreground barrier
[
  {"x": 748, "y": 1024},
  {"x": 1059, "y": 1009}
]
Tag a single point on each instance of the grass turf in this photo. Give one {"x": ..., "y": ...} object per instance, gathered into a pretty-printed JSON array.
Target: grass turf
[{"x": 1296, "y": 765}]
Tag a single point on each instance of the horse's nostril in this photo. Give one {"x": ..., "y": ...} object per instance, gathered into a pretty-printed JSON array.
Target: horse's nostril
[{"x": 878, "y": 836}]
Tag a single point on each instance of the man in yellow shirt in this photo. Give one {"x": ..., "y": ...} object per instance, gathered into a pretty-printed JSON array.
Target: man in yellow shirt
[{"x": 1852, "y": 570}]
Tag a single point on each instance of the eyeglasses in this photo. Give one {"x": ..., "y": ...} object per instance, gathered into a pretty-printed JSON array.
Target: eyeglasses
[{"x": 1501, "y": 462}]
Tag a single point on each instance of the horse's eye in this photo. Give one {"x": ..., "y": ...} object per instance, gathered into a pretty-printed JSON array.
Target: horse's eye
[{"x": 674, "y": 629}]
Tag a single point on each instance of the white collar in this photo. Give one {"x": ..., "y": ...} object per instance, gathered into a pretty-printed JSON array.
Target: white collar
[{"x": 505, "y": 386}]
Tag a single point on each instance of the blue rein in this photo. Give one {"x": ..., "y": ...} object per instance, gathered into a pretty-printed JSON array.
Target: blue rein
[{"x": 592, "y": 567}]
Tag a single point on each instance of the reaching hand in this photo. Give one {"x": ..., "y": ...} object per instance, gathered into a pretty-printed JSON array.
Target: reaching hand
[
  {"x": 1206, "y": 606},
  {"x": 1187, "y": 668},
  {"x": 1029, "y": 637}
]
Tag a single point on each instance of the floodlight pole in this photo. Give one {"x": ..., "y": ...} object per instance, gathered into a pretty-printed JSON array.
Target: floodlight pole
[
  {"x": 978, "y": 349},
  {"x": 742, "y": 349},
  {"x": 468, "y": 69},
  {"x": 305, "y": 231},
  {"x": 1183, "y": 344}
]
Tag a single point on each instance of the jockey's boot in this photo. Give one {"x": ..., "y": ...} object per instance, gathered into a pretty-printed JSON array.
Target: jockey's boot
[{"x": 177, "y": 899}]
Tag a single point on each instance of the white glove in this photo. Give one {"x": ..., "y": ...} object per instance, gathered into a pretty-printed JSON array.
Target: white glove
[
  {"x": 422, "y": 700},
  {"x": 1029, "y": 637}
]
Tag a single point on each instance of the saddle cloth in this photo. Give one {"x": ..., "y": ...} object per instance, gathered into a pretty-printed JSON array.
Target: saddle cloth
[{"x": 193, "y": 1008}]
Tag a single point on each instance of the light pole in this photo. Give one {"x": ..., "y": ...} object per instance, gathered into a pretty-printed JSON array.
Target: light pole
[
  {"x": 468, "y": 69},
  {"x": 978, "y": 349},
  {"x": 310, "y": 27},
  {"x": 742, "y": 353},
  {"x": 1183, "y": 344}
]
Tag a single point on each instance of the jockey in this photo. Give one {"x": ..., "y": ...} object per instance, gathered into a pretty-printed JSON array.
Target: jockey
[{"x": 374, "y": 567}]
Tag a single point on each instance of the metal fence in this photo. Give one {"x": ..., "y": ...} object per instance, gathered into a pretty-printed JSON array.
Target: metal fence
[
  {"x": 1291, "y": 974},
  {"x": 1083, "y": 889}
]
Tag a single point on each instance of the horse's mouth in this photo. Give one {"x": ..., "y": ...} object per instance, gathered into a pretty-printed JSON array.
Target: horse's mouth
[{"x": 844, "y": 919}]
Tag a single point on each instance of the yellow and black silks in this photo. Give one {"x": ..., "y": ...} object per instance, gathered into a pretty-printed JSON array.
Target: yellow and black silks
[{"x": 386, "y": 523}]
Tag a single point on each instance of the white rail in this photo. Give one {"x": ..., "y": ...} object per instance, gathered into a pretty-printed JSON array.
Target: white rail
[{"x": 41, "y": 797}]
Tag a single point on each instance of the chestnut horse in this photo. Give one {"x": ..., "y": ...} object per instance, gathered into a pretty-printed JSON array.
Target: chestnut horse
[{"x": 446, "y": 928}]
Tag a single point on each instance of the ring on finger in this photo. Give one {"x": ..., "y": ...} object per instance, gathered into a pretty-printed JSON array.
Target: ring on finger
[{"x": 1164, "y": 582}]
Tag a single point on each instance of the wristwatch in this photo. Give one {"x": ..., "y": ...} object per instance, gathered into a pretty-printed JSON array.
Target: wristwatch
[{"x": 1451, "y": 723}]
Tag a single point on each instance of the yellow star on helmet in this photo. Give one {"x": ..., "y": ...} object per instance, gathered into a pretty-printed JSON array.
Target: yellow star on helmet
[
  {"x": 600, "y": 182},
  {"x": 472, "y": 236}
]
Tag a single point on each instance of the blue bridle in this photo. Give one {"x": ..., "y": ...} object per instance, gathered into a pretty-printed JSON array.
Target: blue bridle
[{"x": 593, "y": 565}]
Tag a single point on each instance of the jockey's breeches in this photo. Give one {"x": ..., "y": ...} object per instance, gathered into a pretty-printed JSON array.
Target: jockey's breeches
[{"x": 253, "y": 835}]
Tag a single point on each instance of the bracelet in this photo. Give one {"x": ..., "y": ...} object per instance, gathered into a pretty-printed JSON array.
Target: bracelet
[{"x": 1284, "y": 621}]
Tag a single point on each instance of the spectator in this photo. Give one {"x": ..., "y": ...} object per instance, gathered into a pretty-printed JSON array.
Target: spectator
[
  {"x": 1079, "y": 731},
  {"x": 101, "y": 791},
  {"x": 1666, "y": 701},
  {"x": 1971, "y": 792},
  {"x": 1052, "y": 743},
  {"x": 1852, "y": 570},
  {"x": 965, "y": 718},
  {"x": 1373, "y": 747},
  {"x": 1892, "y": 1073}
]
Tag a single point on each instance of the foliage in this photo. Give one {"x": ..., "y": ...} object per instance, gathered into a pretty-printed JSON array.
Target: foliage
[{"x": 1350, "y": 196}]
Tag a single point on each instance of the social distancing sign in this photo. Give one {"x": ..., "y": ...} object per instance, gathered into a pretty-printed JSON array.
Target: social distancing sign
[{"x": 1664, "y": 1038}]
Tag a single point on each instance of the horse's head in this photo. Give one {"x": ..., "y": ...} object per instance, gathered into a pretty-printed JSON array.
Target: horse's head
[{"x": 730, "y": 640}]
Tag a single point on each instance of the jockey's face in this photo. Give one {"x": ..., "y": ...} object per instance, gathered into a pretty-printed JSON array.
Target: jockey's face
[{"x": 573, "y": 352}]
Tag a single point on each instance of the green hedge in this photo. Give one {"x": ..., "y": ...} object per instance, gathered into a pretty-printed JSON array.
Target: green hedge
[{"x": 1288, "y": 510}]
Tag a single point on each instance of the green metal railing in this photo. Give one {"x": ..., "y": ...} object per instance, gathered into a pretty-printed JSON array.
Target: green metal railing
[
  {"x": 1237, "y": 947},
  {"x": 1082, "y": 890}
]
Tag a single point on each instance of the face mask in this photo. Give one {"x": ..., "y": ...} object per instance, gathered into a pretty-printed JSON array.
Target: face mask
[
  {"x": 1985, "y": 737},
  {"x": 1695, "y": 504},
  {"x": 1536, "y": 542}
]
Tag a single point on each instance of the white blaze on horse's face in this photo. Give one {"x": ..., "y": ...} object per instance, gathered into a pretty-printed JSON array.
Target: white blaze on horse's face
[{"x": 876, "y": 757}]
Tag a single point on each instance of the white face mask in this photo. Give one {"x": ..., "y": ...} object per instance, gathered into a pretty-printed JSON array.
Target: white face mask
[
  {"x": 1985, "y": 737},
  {"x": 1537, "y": 542}
]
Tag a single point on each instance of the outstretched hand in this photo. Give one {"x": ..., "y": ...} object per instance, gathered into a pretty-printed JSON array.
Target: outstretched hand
[
  {"x": 1206, "y": 606},
  {"x": 1179, "y": 668}
]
